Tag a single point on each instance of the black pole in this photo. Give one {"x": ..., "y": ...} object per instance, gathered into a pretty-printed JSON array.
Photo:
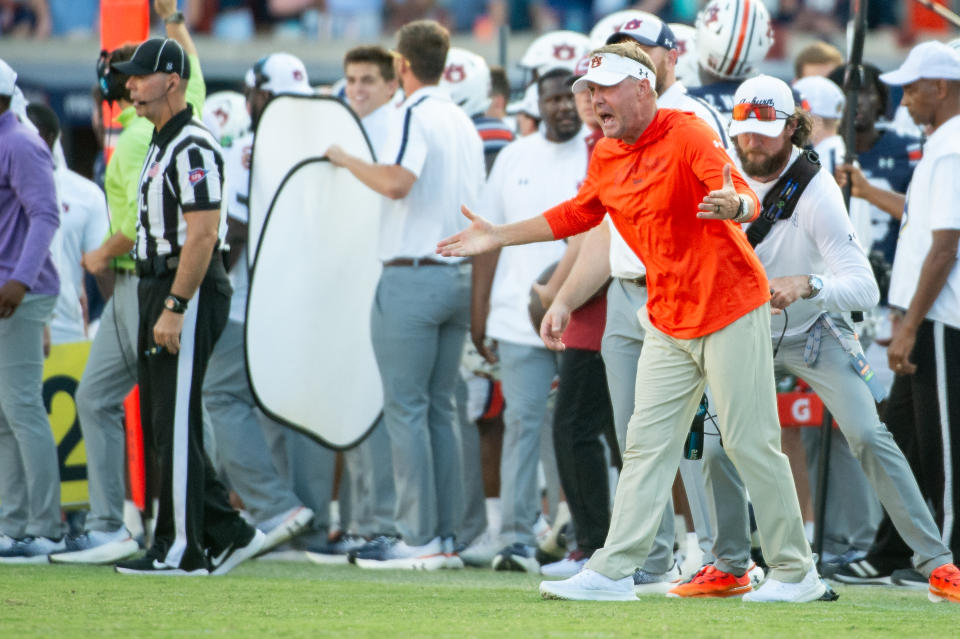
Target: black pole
[{"x": 823, "y": 471}]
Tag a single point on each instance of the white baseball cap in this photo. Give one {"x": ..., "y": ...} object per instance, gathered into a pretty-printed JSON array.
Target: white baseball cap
[
  {"x": 608, "y": 69},
  {"x": 8, "y": 79},
  {"x": 767, "y": 103},
  {"x": 821, "y": 96},
  {"x": 930, "y": 60},
  {"x": 529, "y": 103},
  {"x": 279, "y": 73}
]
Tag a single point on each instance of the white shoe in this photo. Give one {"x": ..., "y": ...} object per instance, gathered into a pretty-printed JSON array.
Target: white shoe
[
  {"x": 98, "y": 547},
  {"x": 31, "y": 550},
  {"x": 481, "y": 550},
  {"x": 517, "y": 558},
  {"x": 400, "y": 556},
  {"x": 566, "y": 567},
  {"x": 452, "y": 560},
  {"x": 756, "y": 574},
  {"x": 810, "y": 588},
  {"x": 648, "y": 583},
  {"x": 589, "y": 585},
  {"x": 285, "y": 526}
]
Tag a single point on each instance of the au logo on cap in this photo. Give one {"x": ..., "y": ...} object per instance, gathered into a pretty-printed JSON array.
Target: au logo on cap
[{"x": 595, "y": 61}]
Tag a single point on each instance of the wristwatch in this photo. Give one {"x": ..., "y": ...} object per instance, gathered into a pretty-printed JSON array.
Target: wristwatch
[
  {"x": 174, "y": 18},
  {"x": 816, "y": 285},
  {"x": 175, "y": 304}
]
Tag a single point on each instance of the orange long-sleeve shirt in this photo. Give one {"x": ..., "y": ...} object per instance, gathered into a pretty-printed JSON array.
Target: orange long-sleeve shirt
[{"x": 701, "y": 274}]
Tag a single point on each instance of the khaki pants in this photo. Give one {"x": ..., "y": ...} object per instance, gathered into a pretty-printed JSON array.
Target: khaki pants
[{"x": 737, "y": 362}]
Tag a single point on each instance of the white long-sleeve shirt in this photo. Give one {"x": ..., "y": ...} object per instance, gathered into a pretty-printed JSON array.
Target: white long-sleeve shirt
[{"x": 817, "y": 239}]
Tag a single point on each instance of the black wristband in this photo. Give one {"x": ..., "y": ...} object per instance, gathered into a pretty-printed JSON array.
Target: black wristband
[
  {"x": 175, "y": 304},
  {"x": 174, "y": 18}
]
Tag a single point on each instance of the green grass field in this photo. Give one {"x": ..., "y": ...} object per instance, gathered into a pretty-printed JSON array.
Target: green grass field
[{"x": 280, "y": 599}]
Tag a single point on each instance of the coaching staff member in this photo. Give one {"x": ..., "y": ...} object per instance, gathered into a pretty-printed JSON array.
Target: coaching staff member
[
  {"x": 707, "y": 320},
  {"x": 184, "y": 299}
]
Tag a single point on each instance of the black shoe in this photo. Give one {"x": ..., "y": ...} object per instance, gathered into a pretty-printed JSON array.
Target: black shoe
[
  {"x": 867, "y": 571},
  {"x": 237, "y": 552},
  {"x": 149, "y": 565},
  {"x": 909, "y": 578},
  {"x": 376, "y": 549}
]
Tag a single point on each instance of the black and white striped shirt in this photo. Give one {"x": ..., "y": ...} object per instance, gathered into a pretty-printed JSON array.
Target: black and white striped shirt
[{"x": 183, "y": 172}]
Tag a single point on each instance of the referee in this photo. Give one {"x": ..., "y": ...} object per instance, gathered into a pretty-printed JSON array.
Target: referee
[{"x": 184, "y": 299}]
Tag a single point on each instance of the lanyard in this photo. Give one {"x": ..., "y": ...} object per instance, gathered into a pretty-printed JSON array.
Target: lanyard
[{"x": 811, "y": 351}]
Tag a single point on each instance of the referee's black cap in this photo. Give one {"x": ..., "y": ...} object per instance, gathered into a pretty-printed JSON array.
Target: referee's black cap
[{"x": 161, "y": 55}]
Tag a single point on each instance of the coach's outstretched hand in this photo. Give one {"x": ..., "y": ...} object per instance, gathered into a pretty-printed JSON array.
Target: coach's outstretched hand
[
  {"x": 481, "y": 236},
  {"x": 722, "y": 204}
]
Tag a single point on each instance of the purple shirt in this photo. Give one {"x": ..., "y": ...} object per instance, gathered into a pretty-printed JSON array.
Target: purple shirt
[{"x": 28, "y": 208}]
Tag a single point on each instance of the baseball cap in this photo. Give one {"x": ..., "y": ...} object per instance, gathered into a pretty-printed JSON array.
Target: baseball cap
[
  {"x": 649, "y": 31},
  {"x": 823, "y": 97},
  {"x": 8, "y": 79},
  {"x": 157, "y": 55},
  {"x": 529, "y": 104},
  {"x": 608, "y": 69},
  {"x": 279, "y": 73},
  {"x": 761, "y": 105},
  {"x": 930, "y": 60}
]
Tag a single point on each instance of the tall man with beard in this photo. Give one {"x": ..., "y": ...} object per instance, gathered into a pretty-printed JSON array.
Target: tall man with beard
[{"x": 818, "y": 273}]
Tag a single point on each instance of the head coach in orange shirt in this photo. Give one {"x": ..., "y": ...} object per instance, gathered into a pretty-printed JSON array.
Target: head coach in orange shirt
[{"x": 667, "y": 183}]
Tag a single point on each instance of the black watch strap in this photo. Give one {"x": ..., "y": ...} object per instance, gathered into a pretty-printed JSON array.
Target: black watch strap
[
  {"x": 174, "y": 18},
  {"x": 175, "y": 304}
]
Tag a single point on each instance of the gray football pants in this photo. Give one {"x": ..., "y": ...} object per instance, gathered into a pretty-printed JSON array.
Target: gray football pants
[
  {"x": 527, "y": 373},
  {"x": 621, "y": 346},
  {"x": 418, "y": 324},
  {"x": 853, "y": 512},
  {"x": 29, "y": 471},
  {"x": 241, "y": 448},
  {"x": 108, "y": 378},
  {"x": 849, "y": 400},
  {"x": 369, "y": 467},
  {"x": 474, "y": 521}
]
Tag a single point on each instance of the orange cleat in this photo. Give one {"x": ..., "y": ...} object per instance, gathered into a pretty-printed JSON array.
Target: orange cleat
[
  {"x": 945, "y": 584},
  {"x": 710, "y": 582}
]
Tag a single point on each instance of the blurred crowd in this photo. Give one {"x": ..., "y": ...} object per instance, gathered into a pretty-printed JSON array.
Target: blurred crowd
[{"x": 370, "y": 19}]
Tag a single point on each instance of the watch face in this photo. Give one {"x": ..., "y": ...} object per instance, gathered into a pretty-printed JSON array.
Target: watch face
[{"x": 168, "y": 303}]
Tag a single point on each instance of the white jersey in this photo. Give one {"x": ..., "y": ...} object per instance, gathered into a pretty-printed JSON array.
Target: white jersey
[
  {"x": 435, "y": 140},
  {"x": 831, "y": 151},
  {"x": 377, "y": 126},
  {"x": 83, "y": 225},
  {"x": 931, "y": 206},
  {"x": 530, "y": 175},
  {"x": 817, "y": 239},
  {"x": 236, "y": 161},
  {"x": 623, "y": 261}
]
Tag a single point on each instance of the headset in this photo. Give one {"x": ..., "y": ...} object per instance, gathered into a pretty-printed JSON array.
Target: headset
[{"x": 111, "y": 83}]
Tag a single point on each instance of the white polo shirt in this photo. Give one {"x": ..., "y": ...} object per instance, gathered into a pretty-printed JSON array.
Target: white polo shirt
[
  {"x": 83, "y": 225},
  {"x": 623, "y": 261},
  {"x": 435, "y": 140},
  {"x": 932, "y": 205},
  {"x": 817, "y": 239},
  {"x": 236, "y": 169},
  {"x": 530, "y": 175}
]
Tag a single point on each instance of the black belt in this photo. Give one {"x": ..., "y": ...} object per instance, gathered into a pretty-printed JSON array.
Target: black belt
[
  {"x": 639, "y": 281},
  {"x": 417, "y": 261},
  {"x": 158, "y": 266}
]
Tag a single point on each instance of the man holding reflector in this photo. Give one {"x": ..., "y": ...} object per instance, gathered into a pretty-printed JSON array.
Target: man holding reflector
[{"x": 708, "y": 320}]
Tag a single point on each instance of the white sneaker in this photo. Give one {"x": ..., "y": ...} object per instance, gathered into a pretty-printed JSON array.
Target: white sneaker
[
  {"x": 481, "y": 550},
  {"x": 518, "y": 558},
  {"x": 285, "y": 526},
  {"x": 589, "y": 585},
  {"x": 400, "y": 556},
  {"x": 566, "y": 567},
  {"x": 452, "y": 560},
  {"x": 756, "y": 574},
  {"x": 810, "y": 588},
  {"x": 31, "y": 550},
  {"x": 648, "y": 583},
  {"x": 98, "y": 547}
]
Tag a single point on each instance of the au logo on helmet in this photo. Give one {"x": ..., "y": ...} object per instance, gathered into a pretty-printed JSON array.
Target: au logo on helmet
[
  {"x": 564, "y": 52},
  {"x": 454, "y": 73}
]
